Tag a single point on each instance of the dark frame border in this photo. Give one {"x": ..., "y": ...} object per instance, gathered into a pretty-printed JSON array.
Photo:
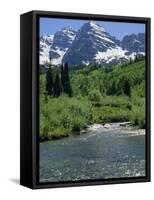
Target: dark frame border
[{"x": 35, "y": 99}]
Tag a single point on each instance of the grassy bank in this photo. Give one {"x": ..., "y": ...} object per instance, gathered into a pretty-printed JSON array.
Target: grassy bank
[
  {"x": 65, "y": 116},
  {"x": 99, "y": 96}
]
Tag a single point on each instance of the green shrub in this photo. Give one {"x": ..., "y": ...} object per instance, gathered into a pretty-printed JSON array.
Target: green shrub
[
  {"x": 60, "y": 116},
  {"x": 95, "y": 95},
  {"x": 138, "y": 116},
  {"x": 76, "y": 127}
]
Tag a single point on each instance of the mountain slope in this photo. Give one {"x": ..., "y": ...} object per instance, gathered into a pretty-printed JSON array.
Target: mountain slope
[
  {"x": 134, "y": 43},
  {"x": 94, "y": 44},
  {"x": 90, "y": 44},
  {"x": 62, "y": 41},
  {"x": 46, "y": 42}
]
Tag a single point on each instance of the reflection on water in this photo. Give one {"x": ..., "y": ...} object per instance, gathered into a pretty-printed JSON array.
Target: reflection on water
[{"x": 99, "y": 154}]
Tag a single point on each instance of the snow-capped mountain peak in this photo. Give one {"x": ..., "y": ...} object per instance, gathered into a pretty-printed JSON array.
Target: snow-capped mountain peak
[
  {"x": 134, "y": 43},
  {"x": 90, "y": 39},
  {"x": 67, "y": 29},
  {"x": 69, "y": 32},
  {"x": 62, "y": 41},
  {"x": 96, "y": 26},
  {"x": 47, "y": 38},
  {"x": 91, "y": 43},
  {"x": 55, "y": 47}
]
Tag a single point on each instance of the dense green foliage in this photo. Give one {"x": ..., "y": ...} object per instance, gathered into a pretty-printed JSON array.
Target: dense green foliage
[
  {"x": 57, "y": 89},
  {"x": 65, "y": 80},
  {"x": 49, "y": 82},
  {"x": 92, "y": 94},
  {"x": 58, "y": 85}
]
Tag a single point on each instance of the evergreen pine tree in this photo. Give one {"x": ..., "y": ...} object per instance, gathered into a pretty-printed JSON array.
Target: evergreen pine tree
[
  {"x": 113, "y": 88},
  {"x": 66, "y": 81},
  {"x": 49, "y": 82},
  {"x": 57, "y": 89},
  {"x": 62, "y": 76},
  {"x": 127, "y": 87},
  {"x": 124, "y": 86}
]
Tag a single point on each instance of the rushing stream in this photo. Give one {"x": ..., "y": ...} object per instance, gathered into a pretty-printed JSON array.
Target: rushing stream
[{"x": 103, "y": 152}]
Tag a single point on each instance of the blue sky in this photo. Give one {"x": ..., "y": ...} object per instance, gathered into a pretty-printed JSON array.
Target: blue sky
[{"x": 117, "y": 29}]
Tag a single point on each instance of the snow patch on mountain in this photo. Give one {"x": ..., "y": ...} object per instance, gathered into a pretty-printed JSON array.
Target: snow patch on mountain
[
  {"x": 46, "y": 42},
  {"x": 105, "y": 38},
  {"x": 58, "y": 60},
  {"x": 134, "y": 54},
  {"x": 110, "y": 54},
  {"x": 96, "y": 27},
  {"x": 85, "y": 62},
  {"x": 44, "y": 56}
]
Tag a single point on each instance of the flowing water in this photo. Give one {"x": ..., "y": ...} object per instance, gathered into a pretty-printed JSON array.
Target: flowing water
[{"x": 101, "y": 153}]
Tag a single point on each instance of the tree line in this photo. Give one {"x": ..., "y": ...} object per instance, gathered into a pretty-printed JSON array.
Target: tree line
[
  {"x": 60, "y": 84},
  {"x": 58, "y": 80}
]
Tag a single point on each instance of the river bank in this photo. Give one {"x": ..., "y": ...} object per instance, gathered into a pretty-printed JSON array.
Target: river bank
[
  {"x": 125, "y": 127},
  {"x": 118, "y": 126}
]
